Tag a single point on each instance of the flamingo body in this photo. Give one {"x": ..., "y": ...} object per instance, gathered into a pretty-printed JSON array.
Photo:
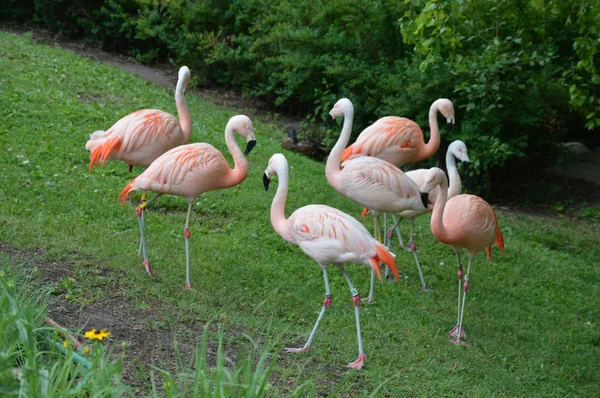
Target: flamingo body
[
  {"x": 463, "y": 222},
  {"x": 142, "y": 136},
  {"x": 190, "y": 170},
  {"x": 399, "y": 140},
  {"x": 328, "y": 236}
]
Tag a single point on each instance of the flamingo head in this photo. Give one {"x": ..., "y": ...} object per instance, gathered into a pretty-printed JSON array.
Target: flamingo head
[
  {"x": 183, "y": 78},
  {"x": 243, "y": 126},
  {"x": 277, "y": 164},
  {"x": 434, "y": 177},
  {"x": 446, "y": 108},
  {"x": 96, "y": 138},
  {"x": 459, "y": 150},
  {"x": 343, "y": 108}
]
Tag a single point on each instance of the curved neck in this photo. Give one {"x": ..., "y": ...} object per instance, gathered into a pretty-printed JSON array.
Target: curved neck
[
  {"x": 453, "y": 176},
  {"x": 185, "y": 120},
  {"x": 434, "y": 135},
  {"x": 240, "y": 169},
  {"x": 278, "y": 206},
  {"x": 437, "y": 217},
  {"x": 332, "y": 168}
]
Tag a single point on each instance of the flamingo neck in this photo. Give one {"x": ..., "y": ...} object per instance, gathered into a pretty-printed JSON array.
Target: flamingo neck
[
  {"x": 332, "y": 169},
  {"x": 185, "y": 120},
  {"x": 438, "y": 228},
  {"x": 453, "y": 176},
  {"x": 240, "y": 168},
  {"x": 434, "y": 135},
  {"x": 278, "y": 206}
]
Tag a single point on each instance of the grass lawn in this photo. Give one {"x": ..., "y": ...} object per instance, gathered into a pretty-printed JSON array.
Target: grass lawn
[{"x": 532, "y": 317}]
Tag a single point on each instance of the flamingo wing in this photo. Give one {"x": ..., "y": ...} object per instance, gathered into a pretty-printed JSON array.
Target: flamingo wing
[
  {"x": 329, "y": 235},
  {"x": 390, "y": 133},
  {"x": 144, "y": 127},
  {"x": 371, "y": 175}
]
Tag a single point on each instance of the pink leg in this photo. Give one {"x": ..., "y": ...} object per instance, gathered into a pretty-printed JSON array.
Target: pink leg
[
  {"x": 359, "y": 363},
  {"x": 187, "y": 234},
  {"x": 140, "y": 216},
  {"x": 413, "y": 249},
  {"x": 459, "y": 339},
  {"x": 326, "y": 303}
]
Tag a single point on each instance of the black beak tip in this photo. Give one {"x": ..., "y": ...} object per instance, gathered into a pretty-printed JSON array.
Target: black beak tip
[
  {"x": 329, "y": 121},
  {"x": 465, "y": 165},
  {"x": 425, "y": 199},
  {"x": 449, "y": 127},
  {"x": 251, "y": 144},
  {"x": 266, "y": 181}
]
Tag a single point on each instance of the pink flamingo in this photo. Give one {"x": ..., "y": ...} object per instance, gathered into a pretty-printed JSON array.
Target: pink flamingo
[
  {"x": 142, "y": 136},
  {"x": 456, "y": 150},
  {"x": 399, "y": 140},
  {"x": 328, "y": 236},
  {"x": 463, "y": 222},
  {"x": 190, "y": 170},
  {"x": 374, "y": 183}
]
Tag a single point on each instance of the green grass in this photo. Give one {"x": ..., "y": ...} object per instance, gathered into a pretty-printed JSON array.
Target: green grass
[{"x": 531, "y": 316}]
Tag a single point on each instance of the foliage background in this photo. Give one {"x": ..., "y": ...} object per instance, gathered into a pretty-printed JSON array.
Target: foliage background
[{"x": 523, "y": 74}]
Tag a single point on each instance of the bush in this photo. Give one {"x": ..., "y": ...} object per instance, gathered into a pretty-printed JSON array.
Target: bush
[{"x": 523, "y": 74}]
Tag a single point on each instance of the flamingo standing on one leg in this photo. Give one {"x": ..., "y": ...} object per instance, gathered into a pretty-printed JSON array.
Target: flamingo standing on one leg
[
  {"x": 142, "y": 136},
  {"x": 399, "y": 140},
  {"x": 190, "y": 170},
  {"x": 374, "y": 183},
  {"x": 328, "y": 236},
  {"x": 463, "y": 222},
  {"x": 456, "y": 150}
]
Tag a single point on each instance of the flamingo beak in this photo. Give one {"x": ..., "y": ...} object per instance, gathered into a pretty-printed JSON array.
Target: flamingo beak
[
  {"x": 465, "y": 165},
  {"x": 251, "y": 144},
  {"x": 425, "y": 199},
  {"x": 449, "y": 127},
  {"x": 266, "y": 181},
  {"x": 329, "y": 121}
]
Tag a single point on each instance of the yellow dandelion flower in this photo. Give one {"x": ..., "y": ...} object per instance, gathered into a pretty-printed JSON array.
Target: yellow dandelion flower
[
  {"x": 96, "y": 334},
  {"x": 66, "y": 343}
]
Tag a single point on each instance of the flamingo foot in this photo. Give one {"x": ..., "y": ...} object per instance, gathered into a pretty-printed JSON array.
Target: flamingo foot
[
  {"x": 459, "y": 342},
  {"x": 188, "y": 287},
  {"x": 454, "y": 332},
  {"x": 296, "y": 350},
  {"x": 368, "y": 299},
  {"x": 358, "y": 364},
  {"x": 147, "y": 266},
  {"x": 426, "y": 289}
]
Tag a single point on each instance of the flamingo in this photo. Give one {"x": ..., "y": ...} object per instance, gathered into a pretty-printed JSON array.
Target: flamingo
[
  {"x": 372, "y": 182},
  {"x": 328, "y": 236},
  {"x": 142, "y": 136},
  {"x": 399, "y": 140},
  {"x": 190, "y": 170},
  {"x": 456, "y": 150},
  {"x": 463, "y": 222}
]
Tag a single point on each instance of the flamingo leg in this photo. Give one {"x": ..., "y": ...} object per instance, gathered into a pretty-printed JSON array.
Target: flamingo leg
[
  {"x": 139, "y": 211},
  {"x": 460, "y": 333},
  {"x": 143, "y": 205},
  {"x": 326, "y": 303},
  {"x": 187, "y": 234},
  {"x": 395, "y": 228},
  {"x": 358, "y": 364},
  {"x": 377, "y": 234},
  {"x": 413, "y": 249},
  {"x": 454, "y": 331}
]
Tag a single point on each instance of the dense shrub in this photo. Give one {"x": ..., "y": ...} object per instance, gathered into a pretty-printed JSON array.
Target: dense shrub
[{"x": 523, "y": 74}]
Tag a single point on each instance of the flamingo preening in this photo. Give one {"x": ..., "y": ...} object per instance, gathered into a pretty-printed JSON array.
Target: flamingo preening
[
  {"x": 372, "y": 182},
  {"x": 142, "y": 136},
  {"x": 190, "y": 170},
  {"x": 463, "y": 222},
  {"x": 328, "y": 236}
]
